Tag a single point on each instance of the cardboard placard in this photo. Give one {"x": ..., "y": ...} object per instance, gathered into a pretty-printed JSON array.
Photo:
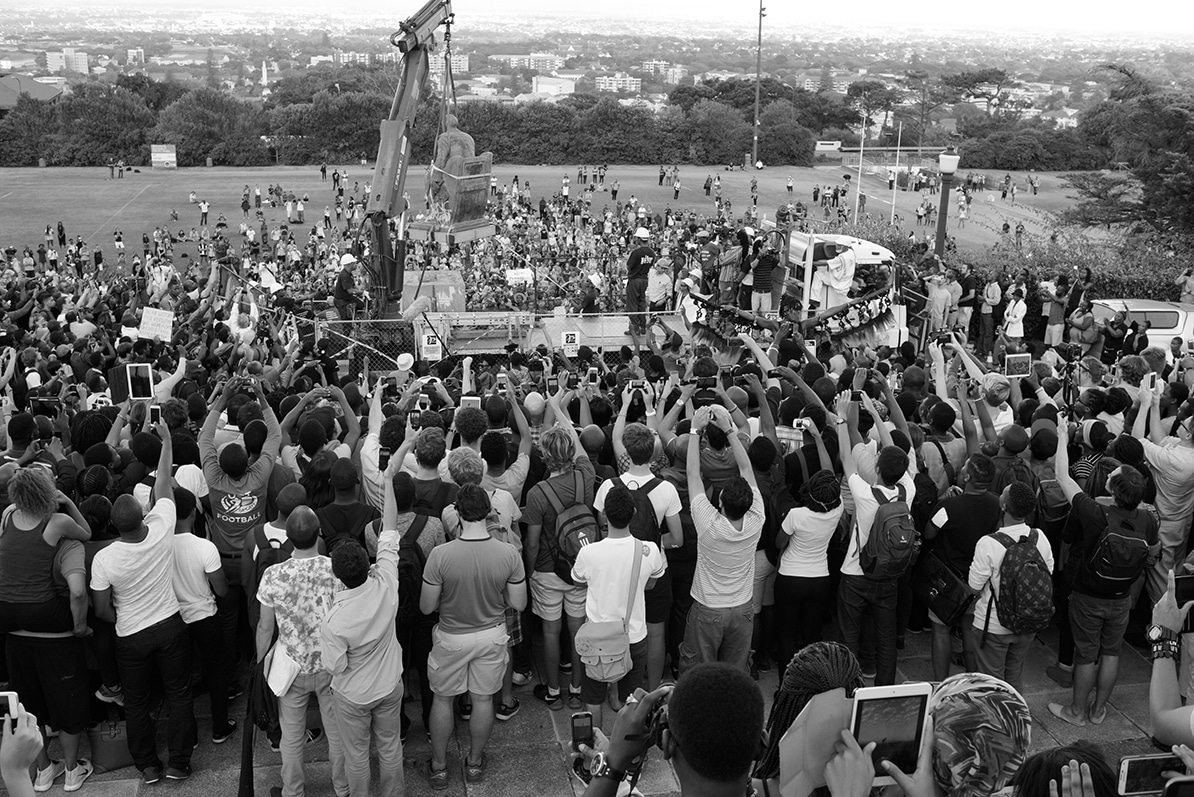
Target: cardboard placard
[
  {"x": 156, "y": 322},
  {"x": 519, "y": 276},
  {"x": 430, "y": 347}
]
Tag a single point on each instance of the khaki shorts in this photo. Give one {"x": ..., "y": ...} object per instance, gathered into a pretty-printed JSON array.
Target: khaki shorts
[
  {"x": 474, "y": 662},
  {"x": 552, "y": 597}
]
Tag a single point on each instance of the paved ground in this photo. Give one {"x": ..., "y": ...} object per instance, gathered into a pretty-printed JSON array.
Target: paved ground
[
  {"x": 90, "y": 204},
  {"x": 528, "y": 755}
]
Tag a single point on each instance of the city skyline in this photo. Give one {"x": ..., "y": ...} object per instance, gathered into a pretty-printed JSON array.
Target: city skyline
[{"x": 1159, "y": 18}]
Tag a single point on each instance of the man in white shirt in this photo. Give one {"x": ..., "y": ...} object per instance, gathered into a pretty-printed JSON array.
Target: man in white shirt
[
  {"x": 198, "y": 580},
  {"x": 132, "y": 586},
  {"x": 1001, "y": 653},
  {"x": 605, "y": 568},
  {"x": 1171, "y": 459},
  {"x": 721, "y": 620},
  {"x": 634, "y": 444},
  {"x": 859, "y": 592}
]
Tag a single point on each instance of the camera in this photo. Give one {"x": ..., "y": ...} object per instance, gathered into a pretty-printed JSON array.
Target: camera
[{"x": 803, "y": 424}]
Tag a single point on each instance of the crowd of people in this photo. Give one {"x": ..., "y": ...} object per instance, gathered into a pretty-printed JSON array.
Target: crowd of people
[{"x": 607, "y": 531}]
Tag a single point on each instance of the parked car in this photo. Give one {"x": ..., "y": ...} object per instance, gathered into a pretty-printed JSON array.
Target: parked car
[{"x": 1167, "y": 320}]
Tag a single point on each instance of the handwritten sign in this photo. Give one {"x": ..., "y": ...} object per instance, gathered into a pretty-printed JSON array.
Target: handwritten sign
[
  {"x": 156, "y": 323},
  {"x": 571, "y": 343},
  {"x": 519, "y": 276}
]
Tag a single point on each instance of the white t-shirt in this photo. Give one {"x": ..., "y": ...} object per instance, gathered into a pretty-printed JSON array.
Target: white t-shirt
[
  {"x": 664, "y": 496},
  {"x": 141, "y": 575},
  {"x": 984, "y": 572},
  {"x": 865, "y": 508},
  {"x": 606, "y": 567},
  {"x": 194, "y": 558},
  {"x": 189, "y": 477},
  {"x": 805, "y": 556}
]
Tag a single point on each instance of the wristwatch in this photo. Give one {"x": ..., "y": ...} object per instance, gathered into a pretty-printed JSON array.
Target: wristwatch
[
  {"x": 600, "y": 768},
  {"x": 1159, "y": 633}
]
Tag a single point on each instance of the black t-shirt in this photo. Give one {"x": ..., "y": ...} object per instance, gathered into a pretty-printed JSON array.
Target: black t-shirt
[
  {"x": 638, "y": 265},
  {"x": 344, "y": 286},
  {"x": 969, "y": 286},
  {"x": 345, "y": 520},
  {"x": 967, "y": 519},
  {"x": 1087, "y": 522}
]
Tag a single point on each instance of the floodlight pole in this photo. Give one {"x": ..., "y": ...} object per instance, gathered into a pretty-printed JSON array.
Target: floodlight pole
[{"x": 754, "y": 150}]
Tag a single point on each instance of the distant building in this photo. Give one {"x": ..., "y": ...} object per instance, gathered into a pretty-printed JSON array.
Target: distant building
[
  {"x": 459, "y": 64},
  {"x": 316, "y": 60},
  {"x": 655, "y": 67},
  {"x": 544, "y": 62},
  {"x": 134, "y": 56},
  {"x": 619, "y": 81},
  {"x": 13, "y": 86},
  {"x": 523, "y": 99},
  {"x": 552, "y": 85},
  {"x": 1064, "y": 118},
  {"x": 674, "y": 74},
  {"x": 708, "y": 77},
  {"x": 341, "y": 58},
  {"x": 69, "y": 60}
]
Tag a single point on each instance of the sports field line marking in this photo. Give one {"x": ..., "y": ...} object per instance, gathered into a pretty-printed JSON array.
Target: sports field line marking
[
  {"x": 117, "y": 213},
  {"x": 6, "y": 196}
]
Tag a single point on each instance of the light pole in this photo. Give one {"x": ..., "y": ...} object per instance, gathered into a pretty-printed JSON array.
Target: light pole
[
  {"x": 948, "y": 163},
  {"x": 754, "y": 150}
]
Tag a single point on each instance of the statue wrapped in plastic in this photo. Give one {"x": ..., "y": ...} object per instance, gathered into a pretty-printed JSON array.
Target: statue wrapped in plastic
[{"x": 458, "y": 185}]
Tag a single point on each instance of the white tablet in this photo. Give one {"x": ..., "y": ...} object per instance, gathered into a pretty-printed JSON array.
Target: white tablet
[{"x": 894, "y": 718}]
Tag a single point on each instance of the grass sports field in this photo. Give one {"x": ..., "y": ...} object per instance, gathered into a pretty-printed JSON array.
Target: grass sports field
[{"x": 92, "y": 205}]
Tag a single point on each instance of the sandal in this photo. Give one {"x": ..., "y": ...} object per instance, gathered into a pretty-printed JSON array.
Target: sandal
[
  {"x": 474, "y": 773},
  {"x": 437, "y": 778}
]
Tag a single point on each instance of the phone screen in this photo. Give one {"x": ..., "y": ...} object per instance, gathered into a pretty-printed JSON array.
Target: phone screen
[
  {"x": 155, "y": 413},
  {"x": 592, "y": 376},
  {"x": 140, "y": 382},
  {"x": 582, "y": 729},
  {"x": 8, "y": 708},
  {"x": 1143, "y": 775},
  {"x": 1180, "y": 787},
  {"x": 1184, "y": 592},
  {"x": 895, "y": 724},
  {"x": 553, "y": 383},
  {"x": 414, "y": 416}
]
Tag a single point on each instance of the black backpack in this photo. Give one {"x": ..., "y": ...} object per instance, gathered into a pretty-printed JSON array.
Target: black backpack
[
  {"x": 1120, "y": 554},
  {"x": 893, "y": 543},
  {"x": 644, "y": 525},
  {"x": 411, "y": 562},
  {"x": 435, "y": 507},
  {"x": 1025, "y": 597}
]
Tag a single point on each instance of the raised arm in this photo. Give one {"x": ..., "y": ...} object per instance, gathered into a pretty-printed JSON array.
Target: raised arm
[
  {"x": 843, "y": 436},
  {"x": 163, "y": 483},
  {"x": 351, "y": 421},
  {"x": 880, "y": 427}
]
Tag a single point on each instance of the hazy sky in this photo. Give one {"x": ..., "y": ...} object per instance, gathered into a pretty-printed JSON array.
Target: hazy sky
[{"x": 1164, "y": 17}]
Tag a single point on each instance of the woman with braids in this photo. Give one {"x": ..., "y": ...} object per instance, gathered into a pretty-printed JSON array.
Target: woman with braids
[
  {"x": 802, "y": 587},
  {"x": 820, "y": 667}
]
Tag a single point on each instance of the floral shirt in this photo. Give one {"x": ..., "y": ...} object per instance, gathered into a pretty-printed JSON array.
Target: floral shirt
[{"x": 300, "y": 591}]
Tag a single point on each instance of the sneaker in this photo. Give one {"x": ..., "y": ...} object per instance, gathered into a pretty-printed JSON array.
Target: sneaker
[
  {"x": 178, "y": 773},
  {"x": 221, "y": 735},
  {"x": 111, "y": 695},
  {"x": 566, "y": 666},
  {"x": 554, "y": 700},
  {"x": 76, "y": 776},
  {"x": 151, "y": 775},
  {"x": 438, "y": 778},
  {"x": 235, "y": 690},
  {"x": 506, "y": 711},
  {"x": 574, "y": 701},
  {"x": 868, "y": 675},
  {"x": 465, "y": 707},
  {"x": 521, "y": 678},
  {"x": 474, "y": 773},
  {"x": 46, "y": 777}
]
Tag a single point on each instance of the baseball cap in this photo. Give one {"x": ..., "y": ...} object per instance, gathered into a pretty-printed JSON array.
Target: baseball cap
[{"x": 641, "y": 232}]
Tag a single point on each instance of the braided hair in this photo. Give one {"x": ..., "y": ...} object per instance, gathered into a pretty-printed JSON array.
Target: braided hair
[
  {"x": 822, "y": 492},
  {"x": 817, "y": 668}
]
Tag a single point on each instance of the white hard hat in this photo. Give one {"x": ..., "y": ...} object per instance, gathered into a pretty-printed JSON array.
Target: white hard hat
[
  {"x": 347, "y": 259},
  {"x": 641, "y": 232}
]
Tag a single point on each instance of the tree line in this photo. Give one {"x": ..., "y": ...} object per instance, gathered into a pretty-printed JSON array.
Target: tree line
[{"x": 333, "y": 115}]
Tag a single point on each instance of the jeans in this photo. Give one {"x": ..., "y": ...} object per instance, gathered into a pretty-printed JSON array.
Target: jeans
[
  {"x": 230, "y": 608},
  {"x": 162, "y": 649},
  {"x": 1172, "y": 534},
  {"x": 857, "y": 594},
  {"x": 718, "y": 635},
  {"x": 380, "y": 720},
  {"x": 800, "y": 604},
  {"x": 1003, "y": 655},
  {"x": 292, "y": 716},
  {"x": 209, "y": 639},
  {"x": 682, "y": 572}
]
